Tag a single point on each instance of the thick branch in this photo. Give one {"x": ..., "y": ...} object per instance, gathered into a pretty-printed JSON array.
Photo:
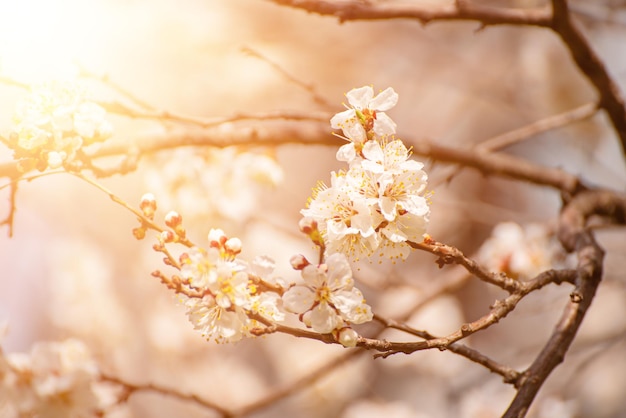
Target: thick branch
[
  {"x": 574, "y": 236},
  {"x": 461, "y": 10},
  {"x": 499, "y": 164}
]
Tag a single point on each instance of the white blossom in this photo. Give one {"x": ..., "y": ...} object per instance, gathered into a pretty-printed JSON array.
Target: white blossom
[
  {"x": 344, "y": 217},
  {"x": 364, "y": 119},
  {"x": 380, "y": 202},
  {"x": 380, "y": 205},
  {"x": 328, "y": 299},
  {"x": 56, "y": 379}
]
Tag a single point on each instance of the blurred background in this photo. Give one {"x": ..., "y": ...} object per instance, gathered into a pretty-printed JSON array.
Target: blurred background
[{"x": 73, "y": 268}]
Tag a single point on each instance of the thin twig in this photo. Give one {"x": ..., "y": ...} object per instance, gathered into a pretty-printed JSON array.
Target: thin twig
[
  {"x": 292, "y": 387},
  {"x": 510, "y": 375},
  {"x": 543, "y": 125},
  {"x": 452, "y": 255},
  {"x": 308, "y": 87},
  {"x": 131, "y": 388},
  {"x": 162, "y": 115}
]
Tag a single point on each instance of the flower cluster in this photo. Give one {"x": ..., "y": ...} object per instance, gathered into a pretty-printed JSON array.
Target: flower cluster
[
  {"x": 54, "y": 122},
  {"x": 380, "y": 203},
  {"x": 56, "y": 379},
  {"x": 328, "y": 300},
  {"x": 232, "y": 293}
]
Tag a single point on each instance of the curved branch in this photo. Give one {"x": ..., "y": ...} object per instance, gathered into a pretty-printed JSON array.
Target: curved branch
[
  {"x": 592, "y": 67},
  {"x": 131, "y": 388},
  {"x": 575, "y": 236}
]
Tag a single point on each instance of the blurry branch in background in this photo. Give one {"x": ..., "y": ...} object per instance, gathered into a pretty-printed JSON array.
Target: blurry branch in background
[
  {"x": 308, "y": 87},
  {"x": 558, "y": 20},
  {"x": 131, "y": 388},
  {"x": 165, "y": 116},
  {"x": 461, "y": 10},
  {"x": 560, "y": 120},
  {"x": 610, "y": 96}
]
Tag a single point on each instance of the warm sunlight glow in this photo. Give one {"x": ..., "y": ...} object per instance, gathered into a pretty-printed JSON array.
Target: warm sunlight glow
[{"x": 42, "y": 39}]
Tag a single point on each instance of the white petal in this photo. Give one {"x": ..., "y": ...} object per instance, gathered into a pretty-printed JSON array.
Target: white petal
[
  {"x": 355, "y": 132},
  {"x": 341, "y": 119},
  {"x": 323, "y": 318},
  {"x": 373, "y": 152},
  {"x": 361, "y": 97},
  {"x": 384, "y": 125},
  {"x": 388, "y": 208},
  {"x": 385, "y": 100},
  {"x": 339, "y": 271},
  {"x": 346, "y": 153},
  {"x": 298, "y": 299},
  {"x": 351, "y": 306}
]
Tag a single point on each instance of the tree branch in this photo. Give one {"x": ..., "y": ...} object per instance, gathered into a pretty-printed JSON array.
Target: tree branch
[
  {"x": 461, "y": 10},
  {"x": 592, "y": 66},
  {"x": 575, "y": 236}
]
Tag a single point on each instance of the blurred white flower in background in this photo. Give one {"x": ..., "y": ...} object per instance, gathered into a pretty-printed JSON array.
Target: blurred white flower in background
[
  {"x": 56, "y": 379},
  {"x": 521, "y": 251},
  {"x": 213, "y": 183},
  {"x": 54, "y": 122}
]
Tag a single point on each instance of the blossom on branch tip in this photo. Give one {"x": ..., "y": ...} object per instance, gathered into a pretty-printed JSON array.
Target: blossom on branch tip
[
  {"x": 366, "y": 113},
  {"x": 364, "y": 120},
  {"x": 328, "y": 299},
  {"x": 380, "y": 204}
]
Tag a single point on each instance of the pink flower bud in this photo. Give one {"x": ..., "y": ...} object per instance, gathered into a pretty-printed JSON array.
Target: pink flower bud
[
  {"x": 167, "y": 236},
  {"x": 173, "y": 219},
  {"x": 307, "y": 225},
  {"x": 298, "y": 262},
  {"x": 217, "y": 237},
  {"x": 233, "y": 245},
  {"x": 148, "y": 205}
]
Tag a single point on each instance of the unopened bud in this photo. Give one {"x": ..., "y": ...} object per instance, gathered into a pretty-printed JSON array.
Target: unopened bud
[
  {"x": 139, "y": 232},
  {"x": 348, "y": 337},
  {"x": 173, "y": 219},
  {"x": 217, "y": 237},
  {"x": 184, "y": 259},
  {"x": 307, "y": 225},
  {"x": 233, "y": 245},
  {"x": 298, "y": 262},
  {"x": 167, "y": 236},
  {"x": 148, "y": 205}
]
